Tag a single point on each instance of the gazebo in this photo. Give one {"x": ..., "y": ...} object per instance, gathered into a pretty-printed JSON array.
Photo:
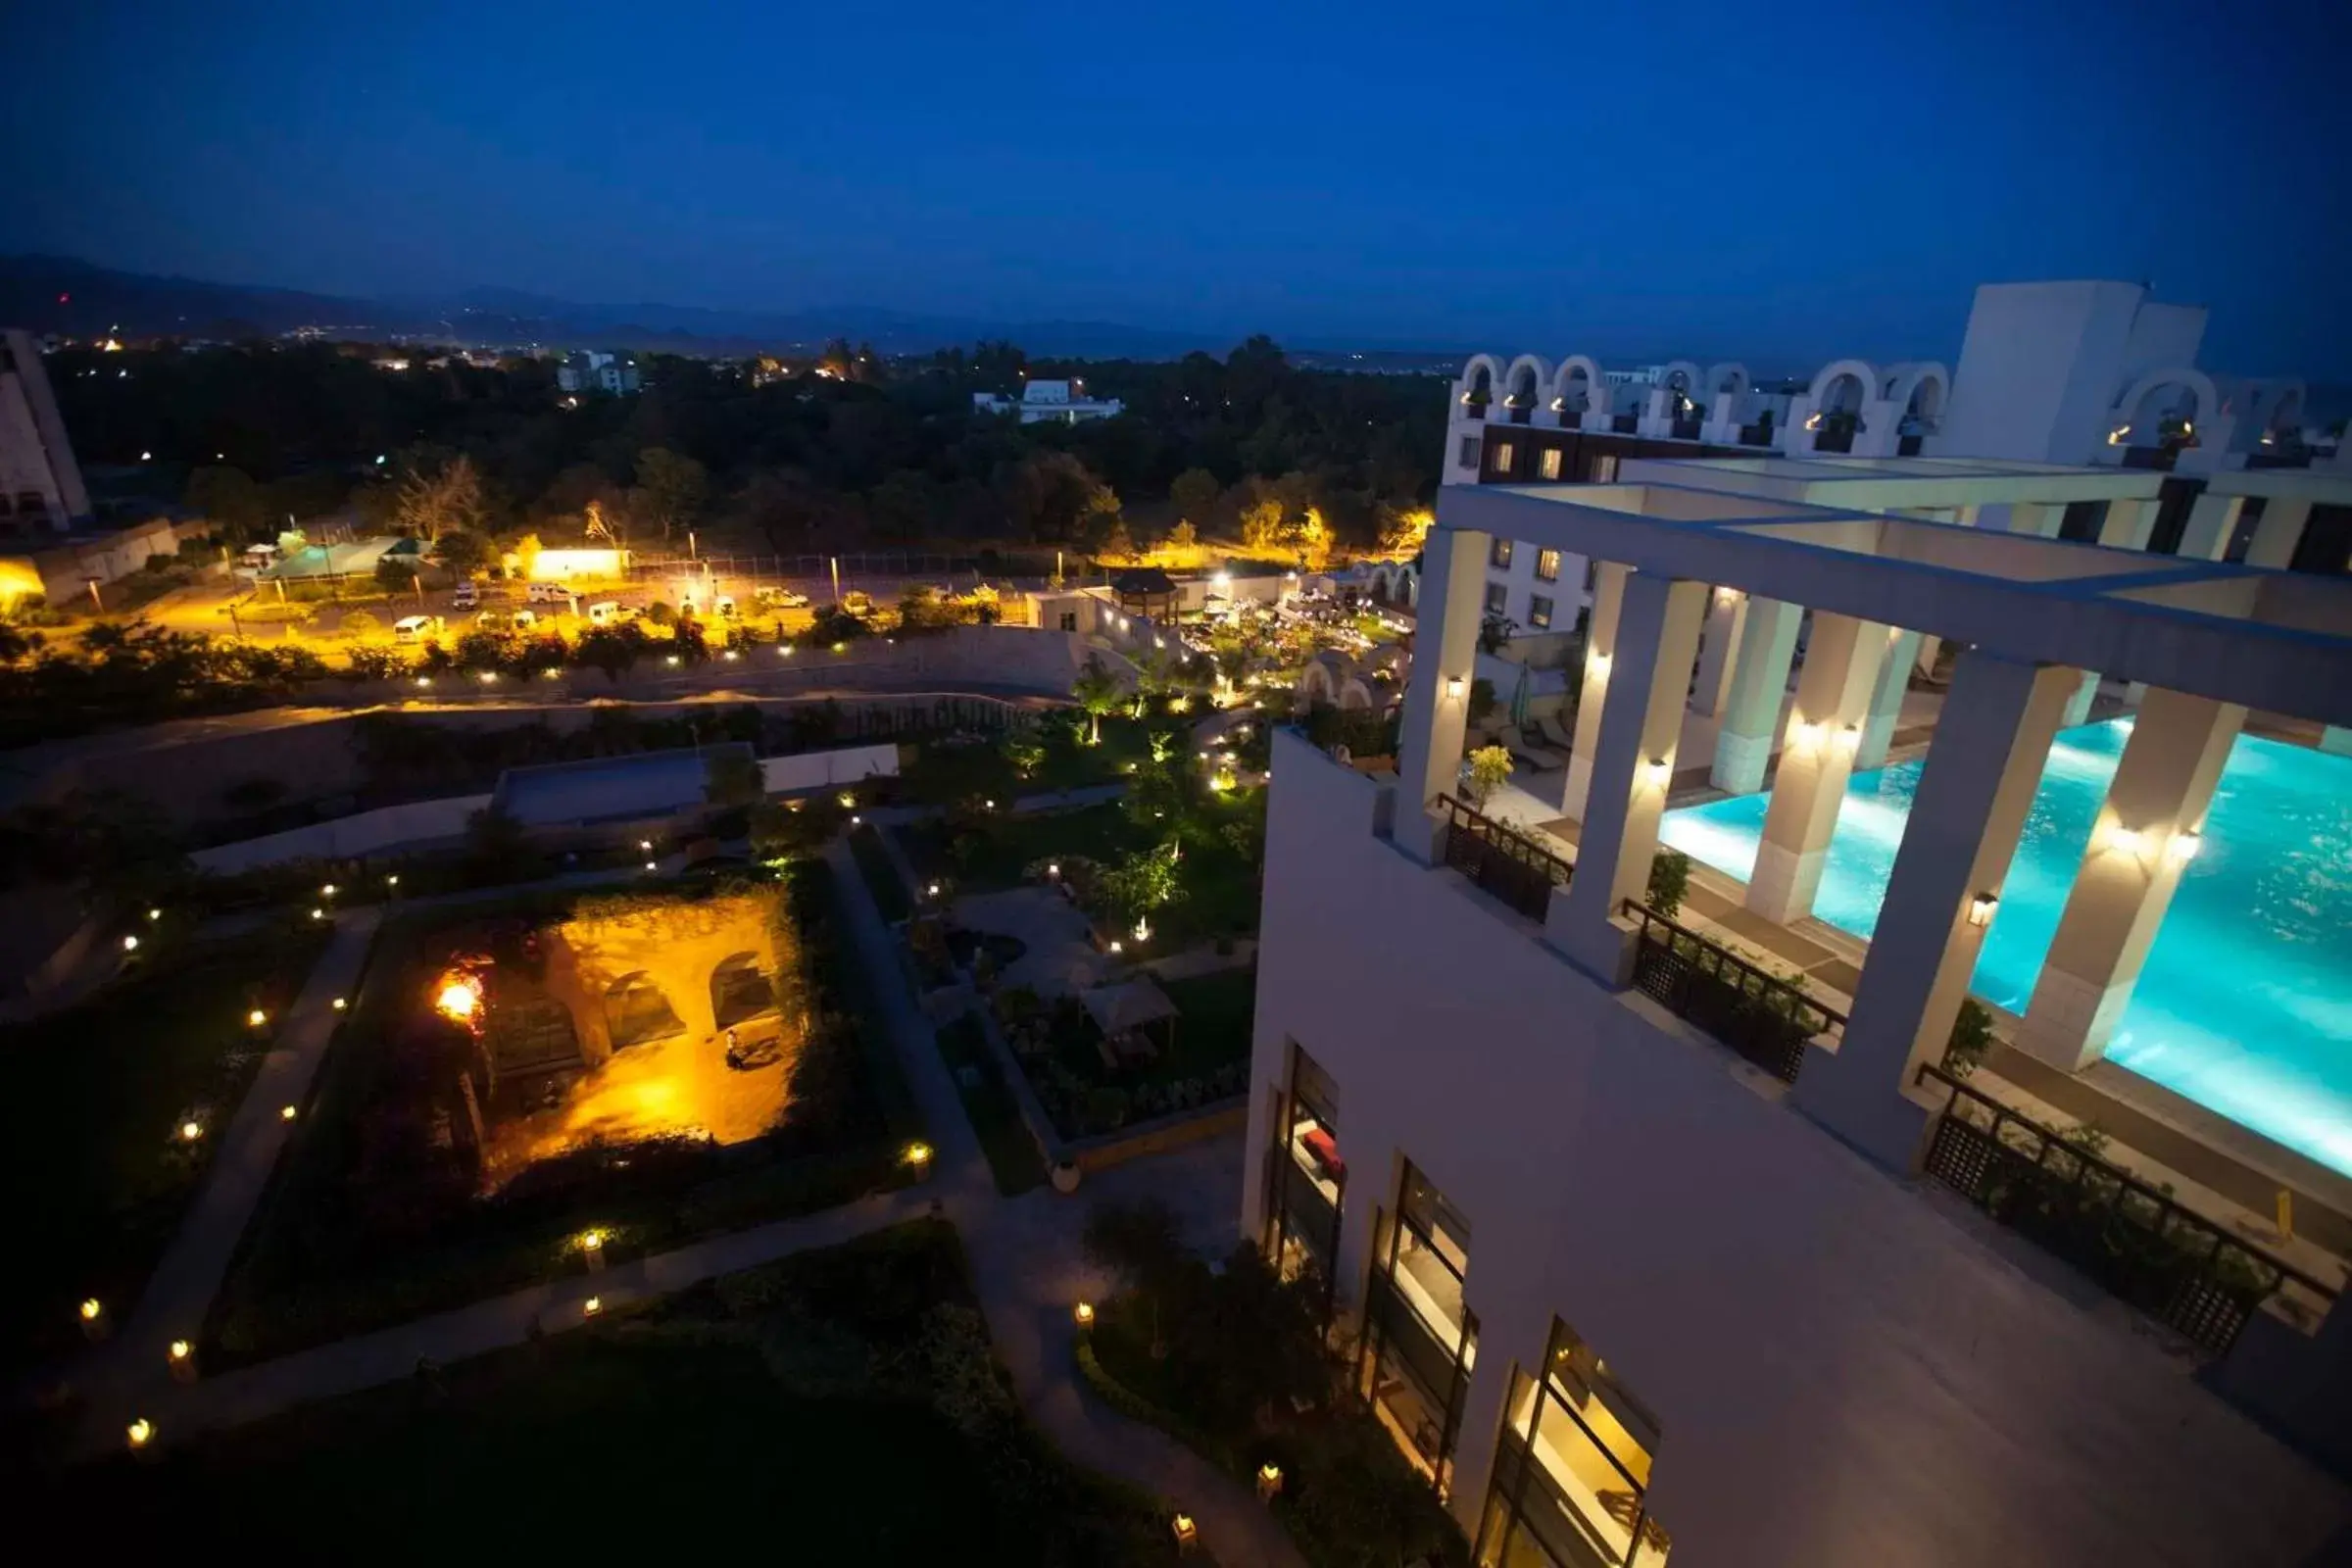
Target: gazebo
[
  {"x": 1145, "y": 591},
  {"x": 1127, "y": 1014}
]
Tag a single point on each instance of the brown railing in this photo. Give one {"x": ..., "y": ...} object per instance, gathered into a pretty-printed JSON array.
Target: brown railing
[
  {"x": 2124, "y": 1232},
  {"x": 1765, "y": 1018},
  {"x": 1501, "y": 859}
]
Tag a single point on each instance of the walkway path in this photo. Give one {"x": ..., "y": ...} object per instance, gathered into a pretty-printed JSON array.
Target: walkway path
[
  {"x": 1029, "y": 1270},
  {"x": 126, "y": 1374},
  {"x": 1028, "y": 1266}
]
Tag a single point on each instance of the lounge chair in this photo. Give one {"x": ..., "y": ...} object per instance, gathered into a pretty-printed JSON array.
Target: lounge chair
[
  {"x": 1534, "y": 757},
  {"x": 1554, "y": 731}
]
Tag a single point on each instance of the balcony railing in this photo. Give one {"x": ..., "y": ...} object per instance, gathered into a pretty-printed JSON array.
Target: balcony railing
[
  {"x": 1474, "y": 411},
  {"x": 1756, "y": 435},
  {"x": 1572, "y": 418},
  {"x": 1834, "y": 438},
  {"x": 1686, "y": 429},
  {"x": 2130, "y": 1235},
  {"x": 1625, "y": 424},
  {"x": 1765, "y": 1018},
  {"x": 1502, "y": 860},
  {"x": 1520, "y": 412},
  {"x": 1908, "y": 446}
]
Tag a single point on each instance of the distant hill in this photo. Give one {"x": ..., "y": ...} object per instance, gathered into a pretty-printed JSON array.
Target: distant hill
[{"x": 78, "y": 298}]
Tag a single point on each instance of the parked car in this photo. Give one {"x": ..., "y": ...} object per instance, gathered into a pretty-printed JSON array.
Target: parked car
[
  {"x": 523, "y": 620},
  {"x": 858, "y": 603},
  {"x": 547, "y": 593},
  {"x": 780, "y": 599},
  {"x": 468, "y": 596},
  {"x": 416, "y": 628},
  {"x": 606, "y": 613}
]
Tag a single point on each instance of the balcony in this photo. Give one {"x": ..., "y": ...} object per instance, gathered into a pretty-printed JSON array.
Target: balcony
[
  {"x": 1474, "y": 409},
  {"x": 1768, "y": 1020},
  {"x": 1506, "y": 863},
  {"x": 1756, "y": 435},
  {"x": 1625, "y": 424},
  {"x": 1518, "y": 413},
  {"x": 1687, "y": 430},
  {"x": 2131, "y": 1236}
]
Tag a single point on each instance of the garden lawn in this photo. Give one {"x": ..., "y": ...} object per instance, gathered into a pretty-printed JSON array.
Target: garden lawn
[
  {"x": 993, "y": 857},
  {"x": 990, "y": 1105},
  {"x": 96, "y": 1181},
  {"x": 362, "y": 1227},
  {"x": 840, "y": 1407},
  {"x": 943, "y": 775}
]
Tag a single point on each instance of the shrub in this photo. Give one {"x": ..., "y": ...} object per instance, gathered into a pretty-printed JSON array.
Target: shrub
[
  {"x": 360, "y": 623},
  {"x": 1669, "y": 880},
  {"x": 1971, "y": 1039}
]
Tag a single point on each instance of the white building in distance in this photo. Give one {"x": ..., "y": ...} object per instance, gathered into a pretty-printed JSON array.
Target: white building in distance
[
  {"x": 41, "y": 491},
  {"x": 1064, "y": 402},
  {"x": 593, "y": 371}
]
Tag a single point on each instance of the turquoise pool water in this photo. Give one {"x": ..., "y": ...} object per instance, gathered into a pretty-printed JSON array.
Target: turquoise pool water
[{"x": 2245, "y": 1005}]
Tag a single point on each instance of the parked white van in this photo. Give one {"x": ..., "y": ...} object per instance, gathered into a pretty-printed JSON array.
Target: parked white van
[
  {"x": 547, "y": 593},
  {"x": 605, "y": 613},
  {"x": 415, "y": 628},
  {"x": 469, "y": 595}
]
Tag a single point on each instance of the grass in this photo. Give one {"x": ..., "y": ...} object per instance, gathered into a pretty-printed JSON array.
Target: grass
[
  {"x": 990, "y": 1105},
  {"x": 363, "y": 1226},
  {"x": 1207, "y": 1063},
  {"x": 96, "y": 1182},
  {"x": 835, "y": 1407},
  {"x": 880, "y": 876},
  {"x": 943, "y": 775},
  {"x": 1219, "y": 1013}
]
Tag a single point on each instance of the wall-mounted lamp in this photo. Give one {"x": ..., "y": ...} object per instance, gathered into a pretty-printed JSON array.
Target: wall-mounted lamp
[
  {"x": 1981, "y": 908},
  {"x": 1453, "y": 688},
  {"x": 1804, "y": 736},
  {"x": 1596, "y": 664},
  {"x": 2114, "y": 437},
  {"x": 1727, "y": 596},
  {"x": 1659, "y": 773},
  {"x": 2182, "y": 848},
  {"x": 2128, "y": 841},
  {"x": 1849, "y": 739}
]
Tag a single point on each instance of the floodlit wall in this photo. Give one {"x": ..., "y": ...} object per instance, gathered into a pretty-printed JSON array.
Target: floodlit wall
[
  {"x": 347, "y": 836},
  {"x": 1845, "y": 1370}
]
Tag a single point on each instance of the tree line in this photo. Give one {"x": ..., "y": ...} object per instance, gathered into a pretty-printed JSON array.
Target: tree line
[{"x": 845, "y": 451}]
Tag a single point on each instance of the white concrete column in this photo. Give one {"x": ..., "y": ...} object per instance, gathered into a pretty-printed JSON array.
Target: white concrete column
[
  {"x": 1641, "y": 721},
  {"x": 2041, "y": 518},
  {"x": 1727, "y": 614},
  {"x": 1983, "y": 766},
  {"x": 2128, "y": 523},
  {"x": 2078, "y": 700},
  {"x": 1833, "y": 699},
  {"x": 2140, "y": 844},
  {"x": 2212, "y": 523},
  {"x": 1436, "y": 699},
  {"x": 1601, "y": 649},
  {"x": 2277, "y": 532},
  {"x": 2336, "y": 741},
  {"x": 1752, "y": 718},
  {"x": 1887, "y": 697}
]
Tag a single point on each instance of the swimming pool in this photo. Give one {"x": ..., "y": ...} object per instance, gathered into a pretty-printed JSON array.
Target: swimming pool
[{"x": 2245, "y": 1003}]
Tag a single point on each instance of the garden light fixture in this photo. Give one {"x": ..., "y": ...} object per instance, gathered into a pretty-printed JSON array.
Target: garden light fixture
[
  {"x": 287, "y": 1112},
  {"x": 130, "y": 944},
  {"x": 190, "y": 1131},
  {"x": 140, "y": 1433},
  {"x": 1084, "y": 1313}
]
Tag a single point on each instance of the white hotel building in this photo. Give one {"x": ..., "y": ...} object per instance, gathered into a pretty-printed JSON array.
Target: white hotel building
[{"x": 1674, "y": 1238}]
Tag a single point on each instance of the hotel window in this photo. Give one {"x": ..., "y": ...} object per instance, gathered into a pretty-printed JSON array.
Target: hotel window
[
  {"x": 1539, "y": 613},
  {"x": 1604, "y": 468},
  {"x": 1547, "y": 566},
  {"x": 1591, "y": 573},
  {"x": 1069, "y": 621},
  {"x": 1307, "y": 1177},
  {"x": 1570, "y": 1480},
  {"x": 1469, "y": 458},
  {"x": 1420, "y": 1339},
  {"x": 1500, "y": 554},
  {"x": 1552, "y": 462},
  {"x": 1503, "y": 457},
  {"x": 1498, "y": 595}
]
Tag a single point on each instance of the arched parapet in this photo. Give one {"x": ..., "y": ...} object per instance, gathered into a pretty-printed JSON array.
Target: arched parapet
[
  {"x": 1528, "y": 382},
  {"x": 1578, "y": 386},
  {"x": 1844, "y": 386},
  {"x": 1730, "y": 377},
  {"x": 1481, "y": 380},
  {"x": 1684, "y": 376},
  {"x": 1919, "y": 392},
  {"x": 1356, "y": 694},
  {"x": 2142, "y": 406}
]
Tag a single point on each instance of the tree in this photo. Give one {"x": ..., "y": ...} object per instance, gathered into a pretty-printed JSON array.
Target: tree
[
  {"x": 1139, "y": 1241},
  {"x": 463, "y": 550},
  {"x": 1143, "y": 882},
  {"x": 732, "y": 779},
  {"x": 610, "y": 649},
  {"x": 1490, "y": 765},
  {"x": 1182, "y": 536},
  {"x": 671, "y": 489},
  {"x": 444, "y": 500},
  {"x": 395, "y": 574},
  {"x": 229, "y": 498},
  {"x": 1196, "y": 493},
  {"x": 360, "y": 623},
  {"x": 1097, "y": 691}
]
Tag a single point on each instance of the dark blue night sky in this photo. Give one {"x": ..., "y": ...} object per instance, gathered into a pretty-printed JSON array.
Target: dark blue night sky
[{"x": 1771, "y": 181}]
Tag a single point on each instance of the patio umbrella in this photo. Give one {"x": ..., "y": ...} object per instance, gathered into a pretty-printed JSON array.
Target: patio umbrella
[{"x": 1519, "y": 700}]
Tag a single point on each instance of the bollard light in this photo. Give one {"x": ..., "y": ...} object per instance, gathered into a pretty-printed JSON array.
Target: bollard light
[
  {"x": 1269, "y": 1481},
  {"x": 341, "y": 1003},
  {"x": 130, "y": 944},
  {"x": 190, "y": 1131},
  {"x": 591, "y": 1307},
  {"x": 140, "y": 1433},
  {"x": 1186, "y": 1532},
  {"x": 1084, "y": 1312},
  {"x": 288, "y": 1112},
  {"x": 257, "y": 1017},
  {"x": 918, "y": 1154},
  {"x": 155, "y": 915},
  {"x": 92, "y": 1309}
]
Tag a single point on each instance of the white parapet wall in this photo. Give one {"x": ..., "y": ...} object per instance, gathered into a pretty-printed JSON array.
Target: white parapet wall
[{"x": 441, "y": 821}]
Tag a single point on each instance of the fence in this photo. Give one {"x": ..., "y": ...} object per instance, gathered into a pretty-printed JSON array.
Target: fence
[
  {"x": 1765, "y": 1018},
  {"x": 2130, "y": 1235},
  {"x": 1501, "y": 859}
]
